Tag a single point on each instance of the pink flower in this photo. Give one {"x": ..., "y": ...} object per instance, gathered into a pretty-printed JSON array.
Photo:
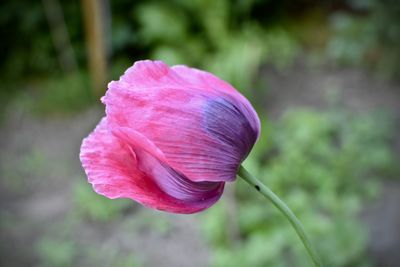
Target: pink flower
[{"x": 171, "y": 138}]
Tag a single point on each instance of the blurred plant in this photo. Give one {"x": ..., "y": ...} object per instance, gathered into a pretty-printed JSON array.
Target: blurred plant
[
  {"x": 352, "y": 39},
  {"x": 145, "y": 220},
  {"x": 371, "y": 38},
  {"x": 31, "y": 166},
  {"x": 63, "y": 252},
  {"x": 95, "y": 207},
  {"x": 216, "y": 36},
  {"x": 109, "y": 256},
  {"x": 56, "y": 253},
  {"x": 69, "y": 243},
  {"x": 228, "y": 38},
  {"x": 324, "y": 166},
  {"x": 29, "y": 48},
  {"x": 386, "y": 19},
  {"x": 59, "y": 94}
]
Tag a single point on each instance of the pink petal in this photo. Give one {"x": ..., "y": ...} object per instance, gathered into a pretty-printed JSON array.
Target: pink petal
[
  {"x": 143, "y": 76},
  {"x": 203, "y": 132},
  {"x": 120, "y": 169},
  {"x": 169, "y": 180},
  {"x": 203, "y": 80}
]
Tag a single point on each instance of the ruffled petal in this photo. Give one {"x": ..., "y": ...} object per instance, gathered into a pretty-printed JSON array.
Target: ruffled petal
[
  {"x": 149, "y": 74},
  {"x": 120, "y": 169},
  {"x": 204, "y": 134},
  {"x": 169, "y": 180},
  {"x": 203, "y": 80}
]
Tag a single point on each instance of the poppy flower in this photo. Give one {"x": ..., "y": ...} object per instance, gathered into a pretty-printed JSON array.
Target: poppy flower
[{"x": 171, "y": 137}]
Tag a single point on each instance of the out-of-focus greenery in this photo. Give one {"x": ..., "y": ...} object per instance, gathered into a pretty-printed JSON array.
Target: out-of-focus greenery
[
  {"x": 96, "y": 207},
  {"x": 64, "y": 252},
  {"x": 215, "y": 35},
  {"x": 369, "y": 36},
  {"x": 62, "y": 245},
  {"x": 324, "y": 165},
  {"x": 57, "y": 95},
  {"x": 90, "y": 206},
  {"x": 229, "y": 38}
]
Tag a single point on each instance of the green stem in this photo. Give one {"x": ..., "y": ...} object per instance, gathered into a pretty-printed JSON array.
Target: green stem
[{"x": 266, "y": 192}]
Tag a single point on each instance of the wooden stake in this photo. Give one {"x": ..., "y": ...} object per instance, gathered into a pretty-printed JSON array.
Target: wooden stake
[{"x": 95, "y": 44}]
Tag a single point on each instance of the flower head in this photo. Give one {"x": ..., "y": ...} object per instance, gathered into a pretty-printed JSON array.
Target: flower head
[{"x": 171, "y": 137}]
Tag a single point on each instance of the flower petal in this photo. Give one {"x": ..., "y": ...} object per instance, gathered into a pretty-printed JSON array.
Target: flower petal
[
  {"x": 204, "y": 134},
  {"x": 169, "y": 180},
  {"x": 118, "y": 169},
  {"x": 147, "y": 74},
  {"x": 202, "y": 79}
]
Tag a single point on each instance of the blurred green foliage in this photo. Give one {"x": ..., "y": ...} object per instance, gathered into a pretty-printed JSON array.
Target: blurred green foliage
[
  {"x": 229, "y": 38},
  {"x": 63, "y": 244},
  {"x": 367, "y": 35},
  {"x": 219, "y": 36},
  {"x": 57, "y": 253},
  {"x": 352, "y": 40},
  {"x": 29, "y": 49},
  {"x": 64, "y": 252},
  {"x": 14, "y": 181},
  {"x": 324, "y": 165},
  {"x": 59, "y": 94},
  {"x": 95, "y": 207},
  {"x": 190, "y": 32}
]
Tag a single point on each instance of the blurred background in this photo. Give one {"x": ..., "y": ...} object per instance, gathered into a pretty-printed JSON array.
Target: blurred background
[{"x": 323, "y": 75}]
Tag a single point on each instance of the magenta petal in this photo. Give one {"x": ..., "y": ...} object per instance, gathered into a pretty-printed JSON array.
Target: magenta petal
[
  {"x": 149, "y": 74},
  {"x": 203, "y": 133},
  {"x": 203, "y": 80},
  {"x": 207, "y": 81},
  {"x": 120, "y": 168},
  {"x": 169, "y": 180}
]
